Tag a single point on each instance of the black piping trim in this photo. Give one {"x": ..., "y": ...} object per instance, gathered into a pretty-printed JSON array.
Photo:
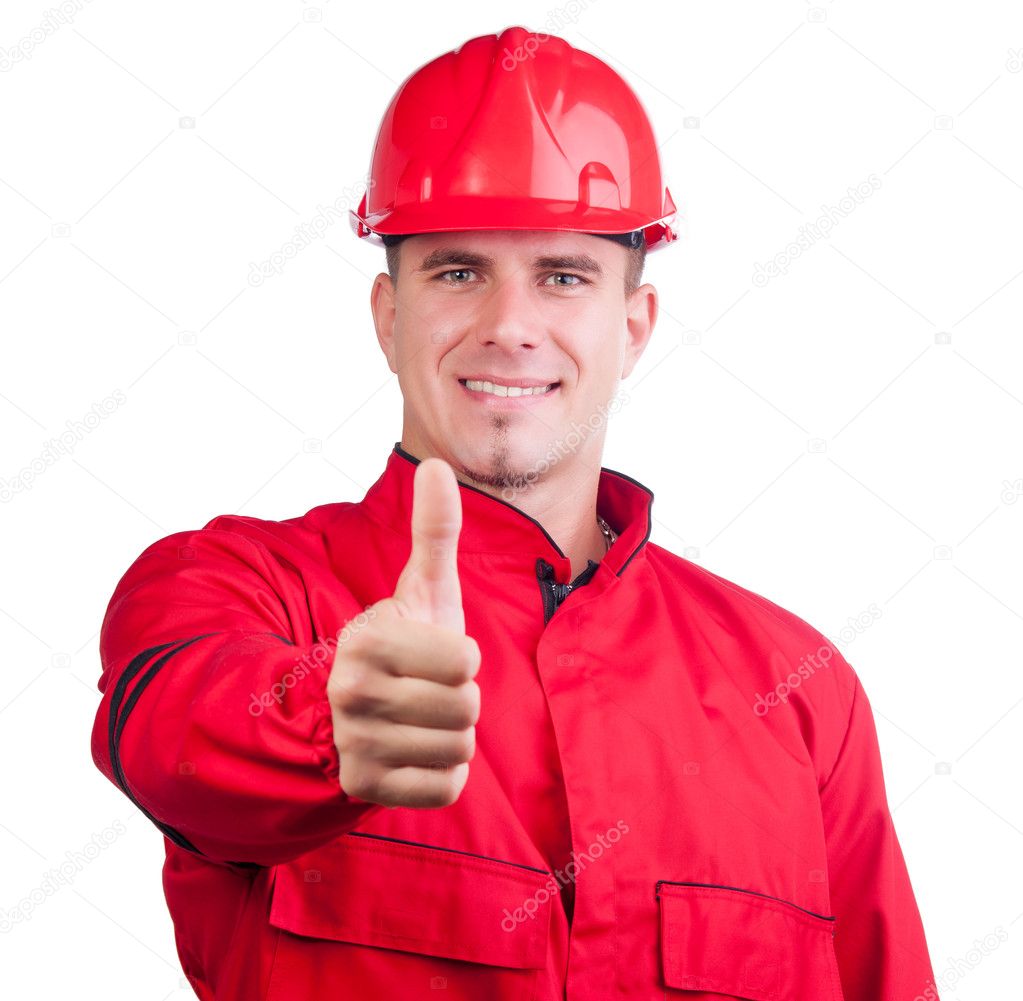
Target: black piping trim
[
  {"x": 649, "y": 526},
  {"x": 741, "y": 889},
  {"x": 437, "y": 848},
  {"x": 117, "y": 723},
  {"x": 127, "y": 676},
  {"x": 136, "y": 692},
  {"x": 632, "y": 480},
  {"x": 649, "y": 521},
  {"x": 468, "y": 486},
  {"x": 283, "y": 639}
]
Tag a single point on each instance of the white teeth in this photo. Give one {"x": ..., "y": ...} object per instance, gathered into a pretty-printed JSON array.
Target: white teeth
[{"x": 498, "y": 390}]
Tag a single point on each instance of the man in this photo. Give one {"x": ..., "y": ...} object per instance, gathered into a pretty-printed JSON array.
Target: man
[{"x": 475, "y": 736}]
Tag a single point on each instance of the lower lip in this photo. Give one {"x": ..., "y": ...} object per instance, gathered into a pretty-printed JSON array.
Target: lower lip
[{"x": 492, "y": 400}]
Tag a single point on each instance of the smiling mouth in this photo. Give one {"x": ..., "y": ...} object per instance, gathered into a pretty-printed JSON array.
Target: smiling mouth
[{"x": 498, "y": 389}]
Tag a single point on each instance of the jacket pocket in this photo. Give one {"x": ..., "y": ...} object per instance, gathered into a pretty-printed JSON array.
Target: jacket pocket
[
  {"x": 729, "y": 942},
  {"x": 370, "y": 916}
]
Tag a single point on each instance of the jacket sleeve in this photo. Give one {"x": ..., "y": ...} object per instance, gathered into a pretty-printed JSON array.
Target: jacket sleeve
[
  {"x": 214, "y": 719},
  {"x": 879, "y": 937}
]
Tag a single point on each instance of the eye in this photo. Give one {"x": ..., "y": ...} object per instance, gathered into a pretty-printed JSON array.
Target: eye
[
  {"x": 579, "y": 280},
  {"x": 456, "y": 271}
]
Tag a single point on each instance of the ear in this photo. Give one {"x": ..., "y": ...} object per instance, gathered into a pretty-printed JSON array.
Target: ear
[
  {"x": 640, "y": 318},
  {"x": 381, "y": 302}
]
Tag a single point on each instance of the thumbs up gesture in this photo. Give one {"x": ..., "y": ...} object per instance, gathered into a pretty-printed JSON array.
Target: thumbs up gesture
[{"x": 403, "y": 700}]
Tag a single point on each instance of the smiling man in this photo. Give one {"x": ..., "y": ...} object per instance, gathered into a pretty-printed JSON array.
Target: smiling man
[
  {"x": 506, "y": 341},
  {"x": 474, "y": 736}
]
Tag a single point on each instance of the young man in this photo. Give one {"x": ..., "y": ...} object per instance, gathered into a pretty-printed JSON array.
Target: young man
[{"x": 475, "y": 736}]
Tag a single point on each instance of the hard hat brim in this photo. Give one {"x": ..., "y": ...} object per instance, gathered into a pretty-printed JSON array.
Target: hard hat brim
[{"x": 480, "y": 213}]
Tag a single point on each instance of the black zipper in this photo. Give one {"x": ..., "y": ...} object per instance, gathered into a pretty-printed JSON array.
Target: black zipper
[
  {"x": 438, "y": 848},
  {"x": 740, "y": 889},
  {"x": 554, "y": 593},
  {"x": 545, "y": 576}
]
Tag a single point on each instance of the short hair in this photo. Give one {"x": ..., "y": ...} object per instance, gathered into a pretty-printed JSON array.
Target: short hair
[{"x": 633, "y": 269}]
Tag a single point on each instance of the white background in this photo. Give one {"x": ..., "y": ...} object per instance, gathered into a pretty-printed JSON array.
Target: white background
[{"x": 846, "y": 434}]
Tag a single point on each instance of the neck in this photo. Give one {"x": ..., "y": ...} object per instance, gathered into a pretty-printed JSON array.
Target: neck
[
  {"x": 580, "y": 541},
  {"x": 564, "y": 501}
]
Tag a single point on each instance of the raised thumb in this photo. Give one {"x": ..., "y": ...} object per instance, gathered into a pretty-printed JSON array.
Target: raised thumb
[{"x": 428, "y": 585}]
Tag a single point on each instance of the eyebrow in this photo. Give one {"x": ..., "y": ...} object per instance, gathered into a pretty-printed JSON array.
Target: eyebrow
[{"x": 547, "y": 262}]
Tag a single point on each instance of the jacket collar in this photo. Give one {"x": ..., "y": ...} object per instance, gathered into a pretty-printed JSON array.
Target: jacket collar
[{"x": 492, "y": 525}]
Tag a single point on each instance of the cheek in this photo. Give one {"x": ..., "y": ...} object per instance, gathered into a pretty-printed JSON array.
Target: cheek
[
  {"x": 416, "y": 360},
  {"x": 597, "y": 354},
  {"x": 444, "y": 313},
  {"x": 417, "y": 344}
]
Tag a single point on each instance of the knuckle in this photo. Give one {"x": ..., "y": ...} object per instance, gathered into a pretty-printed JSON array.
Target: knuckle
[
  {"x": 467, "y": 705},
  {"x": 337, "y": 686},
  {"x": 443, "y": 795},
  {"x": 475, "y": 654},
  {"x": 454, "y": 782},
  {"x": 343, "y": 684},
  {"x": 354, "y": 741},
  {"x": 362, "y": 698},
  {"x": 372, "y": 645},
  {"x": 355, "y": 646},
  {"x": 467, "y": 659},
  {"x": 357, "y": 786},
  {"x": 475, "y": 695},
  {"x": 466, "y": 746},
  {"x": 446, "y": 782},
  {"x": 358, "y": 781}
]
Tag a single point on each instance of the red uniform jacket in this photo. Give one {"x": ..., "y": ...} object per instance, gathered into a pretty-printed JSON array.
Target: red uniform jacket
[{"x": 676, "y": 791}]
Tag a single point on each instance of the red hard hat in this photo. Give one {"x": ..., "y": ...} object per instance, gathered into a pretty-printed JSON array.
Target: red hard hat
[{"x": 515, "y": 131}]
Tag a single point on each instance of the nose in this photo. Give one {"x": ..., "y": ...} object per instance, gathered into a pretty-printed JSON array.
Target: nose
[{"x": 508, "y": 316}]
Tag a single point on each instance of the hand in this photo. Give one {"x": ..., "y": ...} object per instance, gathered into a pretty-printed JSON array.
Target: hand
[{"x": 403, "y": 699}]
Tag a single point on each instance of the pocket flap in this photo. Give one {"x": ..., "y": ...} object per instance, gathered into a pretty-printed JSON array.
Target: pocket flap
[
  {"x": 393, "y": 894},
  {"x": 745, "y": 944}
]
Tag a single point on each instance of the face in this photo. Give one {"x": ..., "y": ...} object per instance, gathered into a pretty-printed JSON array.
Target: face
[{"x": 479, "y": 314}]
